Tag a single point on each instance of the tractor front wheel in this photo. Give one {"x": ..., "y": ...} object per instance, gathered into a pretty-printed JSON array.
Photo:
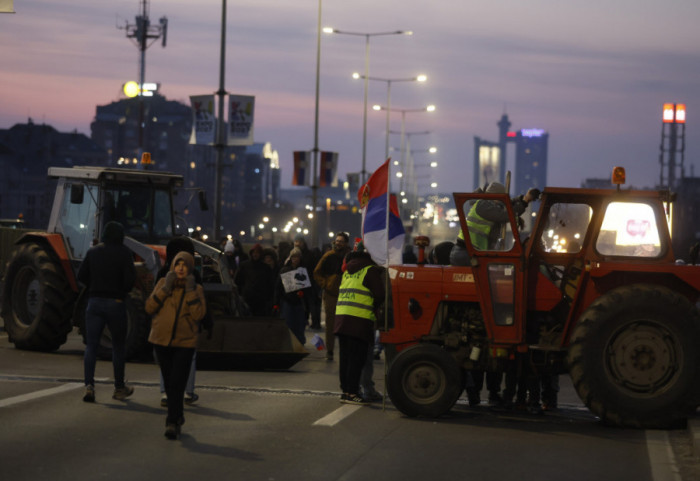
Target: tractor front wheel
[
  {"x": 634, "y": 359},
  {"x": 424, "y": 380},
  {"x": 37, "y": 300}
]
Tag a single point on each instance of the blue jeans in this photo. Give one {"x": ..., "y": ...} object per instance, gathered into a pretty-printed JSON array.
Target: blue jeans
[
  {"x": 295, "y": 315},
  {"x": 112, "y": 313}
]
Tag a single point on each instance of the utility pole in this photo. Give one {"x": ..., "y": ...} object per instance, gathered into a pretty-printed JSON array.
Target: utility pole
[{"x": 143, "y": 35}]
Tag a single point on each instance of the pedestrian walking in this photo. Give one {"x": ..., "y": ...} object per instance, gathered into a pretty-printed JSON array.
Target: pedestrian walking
[
  {"x": 108, "y": 274},
  {"x": 177, "y": 306},
  {"x": 328, "y": 274},
  {"x": 174, "y": 247}
]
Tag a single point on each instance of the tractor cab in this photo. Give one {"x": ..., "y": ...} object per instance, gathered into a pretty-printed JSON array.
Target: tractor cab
[{"x": 89, "y": 197}]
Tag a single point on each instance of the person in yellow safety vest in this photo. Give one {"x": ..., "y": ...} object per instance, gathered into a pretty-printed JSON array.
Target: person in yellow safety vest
[
  {"x": 485, "y": 218},
  {"x": 360, "y": 297}
]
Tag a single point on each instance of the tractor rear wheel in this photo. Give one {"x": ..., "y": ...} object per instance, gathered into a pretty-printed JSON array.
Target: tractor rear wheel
[
  {"x": 633, "y": 357},
  {"x": 424, "y": 380},
  {"x": 37, "y": 300}
]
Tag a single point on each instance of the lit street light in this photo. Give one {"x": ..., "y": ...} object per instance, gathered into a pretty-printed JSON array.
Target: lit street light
[
  {"x": 367, "y": 36},
  {"x": 389, "y": 81}
]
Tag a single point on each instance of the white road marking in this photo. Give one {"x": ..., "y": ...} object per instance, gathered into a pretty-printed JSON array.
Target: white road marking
[
  {"x": 336, "y": 416},
  {"x": 661, "y": 459},
  {"x": 39, "y": 394}
]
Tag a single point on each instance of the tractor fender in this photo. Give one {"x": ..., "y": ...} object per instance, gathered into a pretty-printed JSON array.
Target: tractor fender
[{"x": 53, "y": 243}]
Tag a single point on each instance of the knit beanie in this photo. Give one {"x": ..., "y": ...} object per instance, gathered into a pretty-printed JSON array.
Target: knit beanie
[{"x": 113, "y": 233}]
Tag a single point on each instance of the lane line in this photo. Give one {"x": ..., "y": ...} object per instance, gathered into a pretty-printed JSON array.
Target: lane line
[
  {"x": 39, "y": 394},
  {"x": 336, "y": 416},
  {"x": 661, "y": 458}
]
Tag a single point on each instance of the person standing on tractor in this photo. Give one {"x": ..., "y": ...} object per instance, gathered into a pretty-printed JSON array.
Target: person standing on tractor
[
  {"x": 484, "y": 221},
  {"x": 177, "y": 305},
  {"x": 328, "y": 274},
  {"x": 109, "y": 274}
]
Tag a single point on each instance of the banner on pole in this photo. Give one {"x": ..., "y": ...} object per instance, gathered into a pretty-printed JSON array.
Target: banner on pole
[
  {"x": 241, "y": 110},
  {"x": 302, "y": 169},
  {"x": 7, "y": 6},
  {"x": 328, "y": 176},
  {"x": 203, "y": 120}
]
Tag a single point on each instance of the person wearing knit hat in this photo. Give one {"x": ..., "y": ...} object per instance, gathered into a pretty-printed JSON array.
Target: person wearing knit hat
[
  {"x": 177, "y": 306},
  {"x": 309, "y": 259},
  {"x": 291, "y": 302},
  {"x": 109, "y": 274},
  {"x": 255, "y": 281}
]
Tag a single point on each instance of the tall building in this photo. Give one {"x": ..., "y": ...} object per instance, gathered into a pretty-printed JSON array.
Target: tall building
[
  {"x": 490, "y": 158},
  {"x": 530, "y": 160}
]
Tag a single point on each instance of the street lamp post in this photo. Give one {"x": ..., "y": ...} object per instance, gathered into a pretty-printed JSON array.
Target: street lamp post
[
  {"x": 389, "y": 81},
  {"x": 367, "y": 36}
]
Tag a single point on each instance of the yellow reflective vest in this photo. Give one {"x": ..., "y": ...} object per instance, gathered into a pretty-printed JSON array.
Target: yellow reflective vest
[
  {"x": 479, "y": 229},
  {"x": 354, "y": 299}
]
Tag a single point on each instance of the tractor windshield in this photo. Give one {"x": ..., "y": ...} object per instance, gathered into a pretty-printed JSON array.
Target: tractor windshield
[{"x": 144, "y": 211}]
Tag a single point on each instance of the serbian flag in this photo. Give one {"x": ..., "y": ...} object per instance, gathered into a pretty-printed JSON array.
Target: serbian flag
[
  {"x": 383, "y": 242},
  {"x": 302, "y": 169},
  {"x": 318, "y": 342},
  {"x": 329, "y": 170}
]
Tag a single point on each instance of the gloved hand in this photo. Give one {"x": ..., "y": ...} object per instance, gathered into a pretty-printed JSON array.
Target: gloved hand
[
  {"x": 190, "y": 283},
  {"x": 169, "y": 282},
  {"x": 532, "y": 194}
]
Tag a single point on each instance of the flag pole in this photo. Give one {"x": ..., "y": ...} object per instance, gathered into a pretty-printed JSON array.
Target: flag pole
[{"x": 386, "y": 272}]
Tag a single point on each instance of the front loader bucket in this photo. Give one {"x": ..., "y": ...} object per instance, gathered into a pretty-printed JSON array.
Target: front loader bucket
[{"x": 249, "y": 343}]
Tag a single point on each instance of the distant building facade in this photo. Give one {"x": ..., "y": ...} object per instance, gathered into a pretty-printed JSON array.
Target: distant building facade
[
  {"x": 250, "y": 178},
  {"x": 26, "y": 153},
  {"x": 531, "y": 158}
]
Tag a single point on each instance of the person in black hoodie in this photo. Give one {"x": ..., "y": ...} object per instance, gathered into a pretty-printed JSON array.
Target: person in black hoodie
[
  {"x": 361, "y": 295},
  {"x": 108, "y": 273},
  {"x": 256, "y": 283}
]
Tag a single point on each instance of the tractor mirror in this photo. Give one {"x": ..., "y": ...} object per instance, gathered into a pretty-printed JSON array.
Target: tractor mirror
[
  {"x": 77, "y": 192},
  {"x": 203, "y": 205}
]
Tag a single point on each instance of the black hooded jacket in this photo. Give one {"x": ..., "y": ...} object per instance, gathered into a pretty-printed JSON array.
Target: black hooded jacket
[{"x": 108, "y": 268}]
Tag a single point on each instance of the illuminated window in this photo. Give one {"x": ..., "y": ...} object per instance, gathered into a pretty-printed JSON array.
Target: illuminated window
[{"x": 629, "y": 229}]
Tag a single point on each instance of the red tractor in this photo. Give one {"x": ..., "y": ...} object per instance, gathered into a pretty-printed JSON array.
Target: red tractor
[{"x": 594, "y": 290}]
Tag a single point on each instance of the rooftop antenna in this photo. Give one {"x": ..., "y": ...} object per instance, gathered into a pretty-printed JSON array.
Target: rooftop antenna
[{"x": 143, "y": 34}]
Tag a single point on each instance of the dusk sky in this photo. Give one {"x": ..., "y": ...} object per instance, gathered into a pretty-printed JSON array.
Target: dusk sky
[{"x": 593, "y": 74}]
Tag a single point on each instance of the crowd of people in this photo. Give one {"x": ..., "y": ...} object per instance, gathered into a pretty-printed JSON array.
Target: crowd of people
[{"x": 291, "y": 281}]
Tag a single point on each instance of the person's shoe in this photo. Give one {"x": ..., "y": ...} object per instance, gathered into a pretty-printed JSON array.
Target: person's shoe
[
  {"x": 191, "y": 398},
  {"x": 377, "y": 356},
  {"x": 495, "y": 400},
  {"x": 164, "y": 400},
  {"x": 535, "y": 409},
  {"x": 89, "y": 396},
  {"x": 343, "y": 398},
  {"x": 329, "y": 356},
  {"x": 355, "y": 399},
  {"x": 171, "y": 430},
  {"x": 373, "y": 397},
  {"x": 474, "y": 401},
  {"x": 549, "y": 406},
  {"x": 122, "y": 393}
]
